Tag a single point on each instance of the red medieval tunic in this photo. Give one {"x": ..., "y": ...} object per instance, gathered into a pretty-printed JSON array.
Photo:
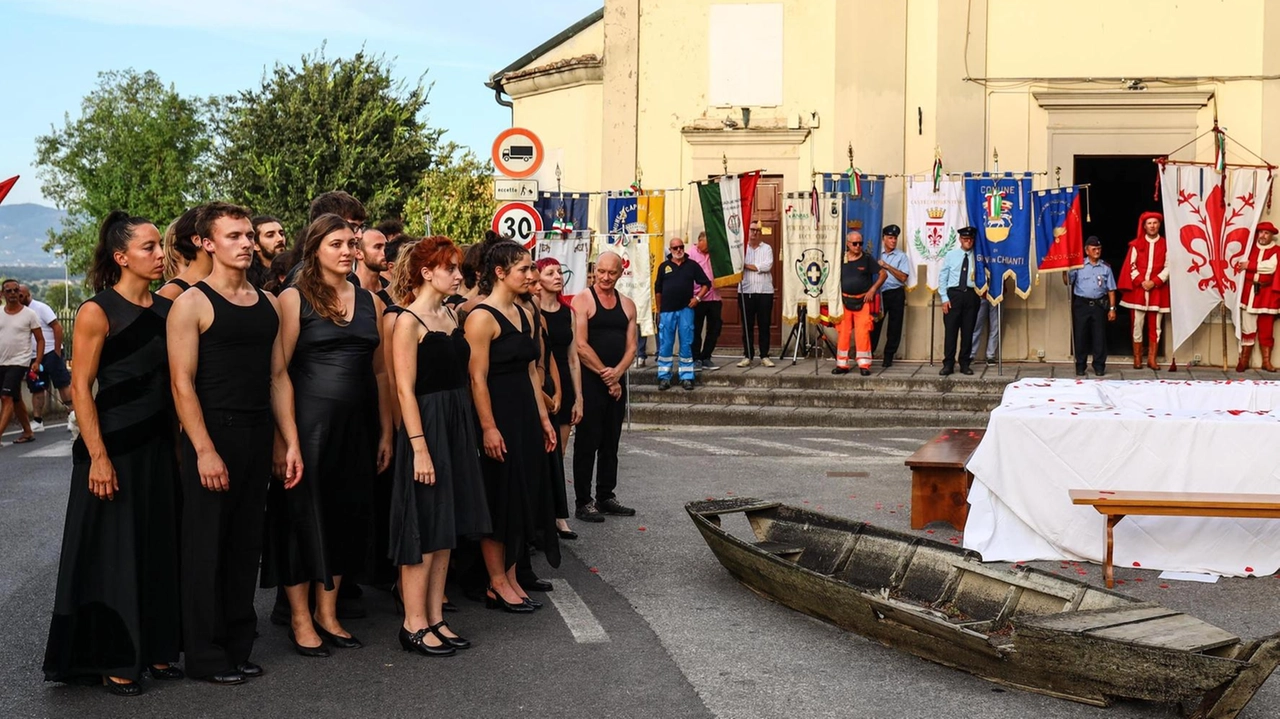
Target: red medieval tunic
[
  {"x": 1145, "y": 260},
  {"x": 1261, "y": 291}
]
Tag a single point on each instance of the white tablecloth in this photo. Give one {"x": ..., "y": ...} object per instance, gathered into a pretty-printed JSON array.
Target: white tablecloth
[{"x": 1049, "y": 436}]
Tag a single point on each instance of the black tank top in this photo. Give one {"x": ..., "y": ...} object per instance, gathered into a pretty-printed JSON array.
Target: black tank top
[
  {"x": 607, "y": 330},
  {"x": 234, "y": 371},
  {"x": 181, "y": 284}
]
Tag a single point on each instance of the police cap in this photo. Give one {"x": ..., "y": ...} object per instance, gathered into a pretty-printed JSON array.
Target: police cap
[
  {"x": 891, "y": 230},
  {"x": 1093, "y": 241},
  {"x": 969, "y": 232}
]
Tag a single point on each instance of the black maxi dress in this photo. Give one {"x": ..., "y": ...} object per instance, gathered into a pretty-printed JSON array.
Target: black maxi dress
[
  {"x": 514, "y": 487},
  {"x": 323, "y": 527},
  {"x": 427, "y": 518},
  {"x": 116, "y": 608},
  {"x": 558, "y": 337}
]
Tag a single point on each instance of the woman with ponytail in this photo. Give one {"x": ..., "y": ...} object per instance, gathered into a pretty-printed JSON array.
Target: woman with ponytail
[
  {"x": 186, "y": 261},
  {"x": 116, "y": 611}
]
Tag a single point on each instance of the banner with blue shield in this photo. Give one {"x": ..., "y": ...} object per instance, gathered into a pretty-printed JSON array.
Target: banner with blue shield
[{"x": 1000, "y": 207}]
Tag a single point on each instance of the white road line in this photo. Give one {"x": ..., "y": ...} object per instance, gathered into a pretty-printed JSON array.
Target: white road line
[
  {"x": 705, "y": 448},
  {"x": 629, "y": 449},
  {"x": 47, "y": 426},
  {"x": 790, "y": 448},
  {"x": 905, "y": 440},
  {"x": 575, "y": 613},
  {"x": 851, "y": 444},
  {"x": 58, "y": 449}
]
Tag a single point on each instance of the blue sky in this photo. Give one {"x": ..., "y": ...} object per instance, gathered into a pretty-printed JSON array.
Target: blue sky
[{"x": 54, "y": 50}]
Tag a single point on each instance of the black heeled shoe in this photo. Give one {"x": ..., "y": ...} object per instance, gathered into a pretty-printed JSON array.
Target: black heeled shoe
[
  {"x": 169, "y": 672},
  {"x": 535, "y": 604},
  {"x": 493, "y": 600},
  {"x": 125, "y": 689},
  {"x": 337, "y": 641},
  {"x": 567, "y": 533},
  {"x": 455, "y": 641},
  {"x": 412, "y": 642},
  {"x": 319, "y": 652}
]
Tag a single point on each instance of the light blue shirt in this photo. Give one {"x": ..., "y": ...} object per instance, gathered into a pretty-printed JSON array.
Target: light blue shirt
[
  {"x": 897, "y": 260},
  {"x": 949, "y": 275},
  {"x": 1092, "y": 282}
]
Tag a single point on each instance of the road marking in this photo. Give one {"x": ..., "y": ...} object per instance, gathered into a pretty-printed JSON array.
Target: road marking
[
  {"x": 905, "y": 440},
  {"x": 47, "y": 426},
  {"x": 704, "y": 448},
  {"x": 891, "y": 451},
  {"x": 575, "y": 613},
  {"x": 790, "y": 448},
  {"x": 630, "y": 449},
  {"x": 58, "y": 449}
]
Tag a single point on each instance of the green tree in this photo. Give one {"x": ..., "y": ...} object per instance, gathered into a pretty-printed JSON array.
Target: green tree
[
  {"x": 57, "y": 293},
  {"x": 138, "y": 146},
  {"x": 458, "y": 192},
  {"x": 342, "y": 124}
]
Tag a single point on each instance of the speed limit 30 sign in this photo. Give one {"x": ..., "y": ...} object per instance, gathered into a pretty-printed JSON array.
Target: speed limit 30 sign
[{"x": 518, "y": 221}]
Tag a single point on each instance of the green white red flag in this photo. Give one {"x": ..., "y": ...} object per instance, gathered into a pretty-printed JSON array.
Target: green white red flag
[{"x": 727, "y": 203}]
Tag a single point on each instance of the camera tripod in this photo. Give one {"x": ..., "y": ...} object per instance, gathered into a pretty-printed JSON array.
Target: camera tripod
[{"x": 806, "y": 344}]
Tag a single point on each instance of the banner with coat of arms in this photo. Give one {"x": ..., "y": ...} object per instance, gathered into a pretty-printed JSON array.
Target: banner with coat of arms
[
  {"x": 571, "y": 250},
  {"x": 933, "y": 218},
  {"x": 633, "y": 228},
  {"x": 811, "y": 254},
  {"x": 1059, "y": 240},
  {"x": 1000, "y": 207},
  {"x": 634, "y": 282},
  {"x": 863, "y": 209},
  {"x": 563, "y": 212}
]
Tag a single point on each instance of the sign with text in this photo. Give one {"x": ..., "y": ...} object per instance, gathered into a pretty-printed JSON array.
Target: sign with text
[{"x": 505, "y": 190}]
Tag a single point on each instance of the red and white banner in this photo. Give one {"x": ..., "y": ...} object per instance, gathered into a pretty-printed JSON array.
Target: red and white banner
[{"x": 1209, "y": 227}]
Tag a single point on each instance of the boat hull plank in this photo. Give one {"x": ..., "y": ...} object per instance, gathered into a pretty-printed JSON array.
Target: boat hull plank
[{"x": 1178, "y": 632}]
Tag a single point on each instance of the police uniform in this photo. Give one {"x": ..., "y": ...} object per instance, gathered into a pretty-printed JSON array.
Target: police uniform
[
  {"x": 1092, "y": 288},
  {"x": 956, "y": 285}
]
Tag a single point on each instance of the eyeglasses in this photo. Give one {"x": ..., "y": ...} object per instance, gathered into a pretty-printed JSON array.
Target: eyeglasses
[
  {"x": 855, "y": 244},
  {"x": 677, "y": 248},
  {"x": 356, "y": 227}
]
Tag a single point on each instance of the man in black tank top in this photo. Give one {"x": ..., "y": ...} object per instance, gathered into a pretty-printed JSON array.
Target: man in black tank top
[
  {"x": 606, "y": 337},
  {"x": 229, "y": 378}
]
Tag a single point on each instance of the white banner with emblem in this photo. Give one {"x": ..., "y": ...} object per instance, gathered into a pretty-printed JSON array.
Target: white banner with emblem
[
  {"x": 571, "y": 251},
  {"x": 811, "y": 255},
  {"x": 635, "y": 282}
]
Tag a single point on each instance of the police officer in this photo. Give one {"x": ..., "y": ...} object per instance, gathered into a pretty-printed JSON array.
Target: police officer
[
  {"x": 956, "y": 288},
  {"x": 893, "y": 293},
  {"x": 1093, "y": 304}
]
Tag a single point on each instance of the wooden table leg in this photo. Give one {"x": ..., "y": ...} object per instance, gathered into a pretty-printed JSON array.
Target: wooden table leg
[{"x": 1107, "y": 567}]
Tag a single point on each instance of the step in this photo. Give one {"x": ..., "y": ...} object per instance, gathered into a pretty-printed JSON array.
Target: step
[
  {"x": 917, "y": 378},
  {"x": 848, "y": 398},
  {"x": 672, "y": 414}
]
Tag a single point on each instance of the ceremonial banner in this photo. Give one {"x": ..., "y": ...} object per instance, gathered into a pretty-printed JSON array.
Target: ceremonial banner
[
  {"x": 1059, "y": 244},
  {"x": 7, "y": 185},
  {"x": 812, "y": 250},
  {"x": 640, "y": 218},
  {"x": 863, "y": 211},
  {"x": 727, "y": 205},
  {"x": 651, "y": 214},
  {"x": 563, "y": 212},
  {"x": 571, "y": 251},
  {"x": 634, "y": 282},
  {"x": 1000, "y": 207},
  {"x": 932, "y": 221},
  {"x": 1208, "y": 228}
]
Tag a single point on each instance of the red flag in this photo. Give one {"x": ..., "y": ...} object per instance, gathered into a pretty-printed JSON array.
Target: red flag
[
  {"x": 7, "y": 185},
  {"x": 1059, "y": 240}
]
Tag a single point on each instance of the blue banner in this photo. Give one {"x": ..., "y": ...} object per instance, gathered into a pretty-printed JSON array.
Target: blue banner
[
  {"x": 620, "y": 216},
  {"x": 564, "y": 211},
  {"x": 864, "y": 211},
  {"x": 1059, "y": 245},
  {"x": 1000, "y": 207}
]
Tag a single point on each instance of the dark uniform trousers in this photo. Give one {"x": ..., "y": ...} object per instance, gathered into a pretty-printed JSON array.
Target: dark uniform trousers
[
  {"x": 595, "y": 444},
  {"x": 222, "y": 543},
  {"x": 894, "y": 303},
  {"x": 1089, "y": 325},
  {"x": 959, "y": 321}
]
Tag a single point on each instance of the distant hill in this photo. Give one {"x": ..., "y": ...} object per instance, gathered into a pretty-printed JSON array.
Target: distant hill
[{"x": 23, "y": 231}]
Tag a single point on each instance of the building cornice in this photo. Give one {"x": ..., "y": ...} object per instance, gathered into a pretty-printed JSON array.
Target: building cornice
[
  {"x": 700, "y": 136},
  {"x": 583, "y": 70},
  {"x": 1094, "y": 100}
]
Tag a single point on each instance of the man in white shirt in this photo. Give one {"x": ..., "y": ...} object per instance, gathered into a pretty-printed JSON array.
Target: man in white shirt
[
  {"x": 53, "y": 370},
  {"x": 18, "y": 326},
  {"x": 756, "y": 296}
]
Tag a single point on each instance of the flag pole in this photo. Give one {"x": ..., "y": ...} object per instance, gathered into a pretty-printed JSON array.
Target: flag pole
[{"x": 933, "y": 321}]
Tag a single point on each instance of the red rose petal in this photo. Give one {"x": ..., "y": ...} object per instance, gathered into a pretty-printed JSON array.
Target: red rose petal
[
  {"x": 1138, "y": 579},
  {"x": 729, "y": 493},
  {"x": 595, "y": 571},
  {"x": 806, "y": 501},
  {"x": 1164, "y": 586},
  {"x": 1136, "y": 564},
  {"x": 930, "y": 531},
  {"x": 643, "y": 529},
  {"x": 1249, "y": 569}
]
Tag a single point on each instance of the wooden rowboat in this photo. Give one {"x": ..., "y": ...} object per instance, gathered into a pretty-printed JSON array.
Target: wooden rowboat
[{"x": 1023, "y": 628}]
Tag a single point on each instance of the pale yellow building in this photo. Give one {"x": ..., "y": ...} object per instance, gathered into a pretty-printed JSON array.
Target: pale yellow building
[{"x": 659, "y": 87}]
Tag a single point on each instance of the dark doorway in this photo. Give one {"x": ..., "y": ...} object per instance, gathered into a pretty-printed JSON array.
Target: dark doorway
[{"x": 1121, "y": 188}]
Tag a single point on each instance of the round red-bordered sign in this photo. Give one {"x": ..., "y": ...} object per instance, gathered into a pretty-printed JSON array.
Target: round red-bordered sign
[
  {"x": 517, "y": 153},
  {"x": 518, "y": 221}
]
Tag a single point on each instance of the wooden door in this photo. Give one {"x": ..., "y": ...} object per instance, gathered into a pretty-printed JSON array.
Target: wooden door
[{"x": 768, "y": 210}]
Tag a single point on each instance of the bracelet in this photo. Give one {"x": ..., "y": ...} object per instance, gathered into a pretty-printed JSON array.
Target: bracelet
[{"x": 416, "y": 436}]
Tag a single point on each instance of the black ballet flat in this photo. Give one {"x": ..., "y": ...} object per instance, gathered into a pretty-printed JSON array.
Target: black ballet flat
[
  {"x": 337, "y": 641},
  {"x": 319, "y": 652},
  {"x": 412, "y": 642},
  {"x": 169, "y": 672},
  {"x": 533, "y": 603},
  {"x": 125, "y": 689},
  {"x": 567, "y": 533},
  {"x": 455, "y": 642},
  {"x": 449, "y": 607},
  {"x": 497, "y": 602}
]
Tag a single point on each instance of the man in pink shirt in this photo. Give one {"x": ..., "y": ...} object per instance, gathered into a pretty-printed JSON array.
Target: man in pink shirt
[{"x": 707, "y": 312}]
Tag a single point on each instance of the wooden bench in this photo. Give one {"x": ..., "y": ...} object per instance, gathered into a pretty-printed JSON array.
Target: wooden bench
[
  {"x": 939, "y": 481},
  {"x": 1117, "y": 505}
]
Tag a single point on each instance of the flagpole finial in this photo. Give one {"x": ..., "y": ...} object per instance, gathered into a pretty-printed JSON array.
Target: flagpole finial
[
  {"x": 724, "y": 163},
  {"x": 558, "y": 178},
  {"x": 850, "y": 151},
  {"x": 1057, "y": 176}
]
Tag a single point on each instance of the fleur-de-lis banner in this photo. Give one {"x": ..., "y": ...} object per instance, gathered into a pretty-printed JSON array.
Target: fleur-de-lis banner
[{"x": 932, "y": 221}]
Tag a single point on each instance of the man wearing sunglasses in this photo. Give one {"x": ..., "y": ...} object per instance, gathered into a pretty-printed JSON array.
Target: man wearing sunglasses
[
  {"x": 860, "y": 280},
  {"x": 679, "y": 288},
  {"x": 18, "y": 326}
]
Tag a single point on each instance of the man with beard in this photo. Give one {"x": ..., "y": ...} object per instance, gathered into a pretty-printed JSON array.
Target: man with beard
[
  {"x": 373, "y": 263},
  {"x": 269, "y": 240}
]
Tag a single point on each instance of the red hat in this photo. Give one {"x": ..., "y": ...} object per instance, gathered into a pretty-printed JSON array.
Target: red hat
[
  {"x": 1267, "y": 227},
  {"x": 1142, "y": 222}
]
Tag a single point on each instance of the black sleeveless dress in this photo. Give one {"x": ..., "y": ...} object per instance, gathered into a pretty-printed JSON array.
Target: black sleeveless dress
[
  {"x": 116, "y": 608},
  {"x": 323, "y": 527},
  {"x": 514, "y": 487},
  {"x": 559, "y": 337},
  {"x": 426, "y": 518}
]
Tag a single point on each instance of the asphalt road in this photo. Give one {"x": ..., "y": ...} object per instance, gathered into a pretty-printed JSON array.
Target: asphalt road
[{"x": 644, "y": 623}]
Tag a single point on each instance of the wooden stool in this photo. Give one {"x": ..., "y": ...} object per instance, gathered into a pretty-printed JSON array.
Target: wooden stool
[{"x": 939, "y": 482}]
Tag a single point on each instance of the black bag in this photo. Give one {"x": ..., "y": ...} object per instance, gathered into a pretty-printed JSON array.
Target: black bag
[{"x": 853, "y": 304}]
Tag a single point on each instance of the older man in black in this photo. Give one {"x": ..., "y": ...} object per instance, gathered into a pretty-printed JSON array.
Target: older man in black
[{"x": 679, "y": 288}]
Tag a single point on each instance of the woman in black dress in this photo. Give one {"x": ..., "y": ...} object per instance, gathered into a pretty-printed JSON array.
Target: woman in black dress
[
  {"x": 437, "y": 493},
  {"x": 116, "y": 610},
  {"x": 516, "y": 434},
  {"x": 557, "y": 314},
  {"x": 321, "y": 530},
  {"x": 187, "y": 262}
]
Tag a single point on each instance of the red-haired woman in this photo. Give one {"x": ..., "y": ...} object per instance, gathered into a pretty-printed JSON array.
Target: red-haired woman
[
  {"x": 558, "y": 316},
  {"x": 321, "y": 530},
  {"x": 437, "y": 493}
]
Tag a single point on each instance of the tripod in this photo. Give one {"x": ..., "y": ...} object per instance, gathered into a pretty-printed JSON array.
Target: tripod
[{"x": 805, "y": 345}]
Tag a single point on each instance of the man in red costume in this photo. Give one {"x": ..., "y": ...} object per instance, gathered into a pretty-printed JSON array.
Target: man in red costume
[
  {"x": 1144, "y": 284},
  {"x": 1259, "y": 297}
]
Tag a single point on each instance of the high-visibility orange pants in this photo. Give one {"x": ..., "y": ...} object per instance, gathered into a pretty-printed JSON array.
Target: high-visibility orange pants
[{"x": 856, "y": 326}]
